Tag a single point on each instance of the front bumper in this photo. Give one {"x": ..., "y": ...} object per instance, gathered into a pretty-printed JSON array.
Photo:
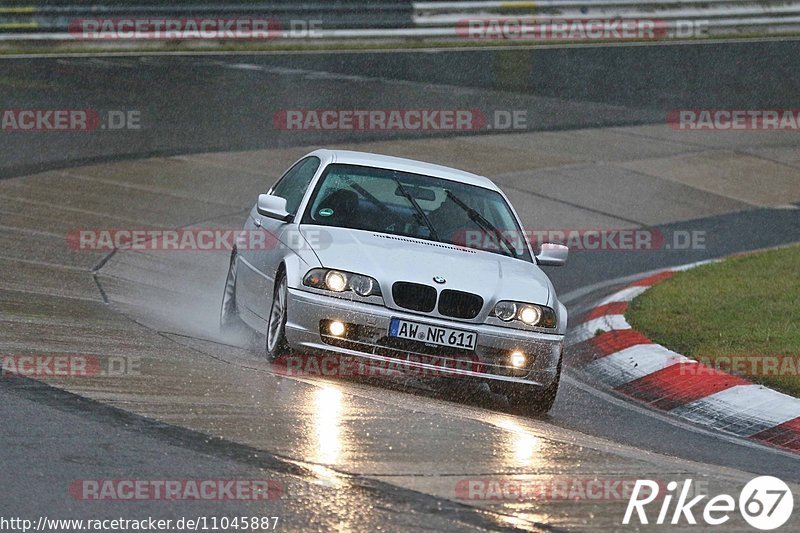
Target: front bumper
[{"x": 494, "y": 344}]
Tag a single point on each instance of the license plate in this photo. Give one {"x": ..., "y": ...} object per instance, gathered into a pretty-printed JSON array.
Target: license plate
[{"x": 452, "y": 338}]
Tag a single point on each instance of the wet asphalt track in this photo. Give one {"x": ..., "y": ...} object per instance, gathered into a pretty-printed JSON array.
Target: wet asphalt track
[
  {"x": 212, "y": 103},
  {"x": 57, "y": 439}
]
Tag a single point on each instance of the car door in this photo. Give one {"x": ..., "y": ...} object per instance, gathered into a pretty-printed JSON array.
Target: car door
[{"x": 259, "y": 264}]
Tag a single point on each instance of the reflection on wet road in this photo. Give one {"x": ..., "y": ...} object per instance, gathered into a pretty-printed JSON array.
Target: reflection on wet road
[{"x": 329, "y": 409}]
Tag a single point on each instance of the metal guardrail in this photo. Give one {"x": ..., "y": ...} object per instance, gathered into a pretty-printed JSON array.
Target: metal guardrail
[
  {"x": 403, "y": 20},
  {"x": 547, "y": 4},
  {"x": 716, "y": 16},
  {"x": 58, "y": 18}
]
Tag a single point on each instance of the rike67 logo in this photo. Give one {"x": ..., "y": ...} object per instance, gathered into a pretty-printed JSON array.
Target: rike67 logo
[{"x": 765, "y": 503}]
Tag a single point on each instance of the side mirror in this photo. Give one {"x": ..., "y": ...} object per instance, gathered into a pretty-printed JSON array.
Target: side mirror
[
  {"x": 552, "y": 255},
  {"x": 272, "y": 207}
]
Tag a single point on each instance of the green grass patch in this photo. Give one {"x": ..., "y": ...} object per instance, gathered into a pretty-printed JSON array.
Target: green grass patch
[{"x": 745, "y": 308}]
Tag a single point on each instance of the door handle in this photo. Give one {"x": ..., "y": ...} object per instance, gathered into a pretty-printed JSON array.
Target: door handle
[{"x": 257, "y": 222}]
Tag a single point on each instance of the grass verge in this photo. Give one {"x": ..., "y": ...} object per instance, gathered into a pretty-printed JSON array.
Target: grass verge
[{"x": 741, "y": 315}]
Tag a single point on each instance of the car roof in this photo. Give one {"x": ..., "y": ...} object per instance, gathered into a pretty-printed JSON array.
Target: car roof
[{"x": 404, "y": 165}]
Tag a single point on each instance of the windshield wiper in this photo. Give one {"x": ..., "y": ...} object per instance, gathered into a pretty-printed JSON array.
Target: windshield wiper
[
  {"x": 483, "y": 223},
  {"x": 419, "y": 210},
  {"x": 370, "y": 197}
]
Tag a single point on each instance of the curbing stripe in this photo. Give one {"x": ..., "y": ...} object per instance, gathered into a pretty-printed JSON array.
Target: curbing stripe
[
  {"x": 680, "y": 384},
  {"x": 633, "y": 365},
  {"x": 589, "y": 329},
  {"x": 616, "y": 340},
  {"x": 743, "y": 410},
  {"x": 786, "y": 435},
  {"x": 614, "y": 308},
  {"x": 652, "y": 280},
  {"x": 605, "y": 344}
]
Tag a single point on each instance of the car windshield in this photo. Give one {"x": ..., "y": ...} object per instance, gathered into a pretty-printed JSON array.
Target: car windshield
[{"x": 415, "y": 205}]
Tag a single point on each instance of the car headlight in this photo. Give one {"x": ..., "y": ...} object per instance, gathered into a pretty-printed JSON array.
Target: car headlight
[
  {"x": 505, "y": 311},
  {"x": 338, "y": 281},
  {"x": 363, "y": 285},
  {"x": 528, "y": 314}
]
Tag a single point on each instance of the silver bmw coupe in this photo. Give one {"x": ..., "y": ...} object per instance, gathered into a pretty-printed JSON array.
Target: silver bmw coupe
[{"x": 385, "y": 259}]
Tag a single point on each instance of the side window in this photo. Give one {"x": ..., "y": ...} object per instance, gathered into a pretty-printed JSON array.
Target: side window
[{"x": 294, "y": 183}]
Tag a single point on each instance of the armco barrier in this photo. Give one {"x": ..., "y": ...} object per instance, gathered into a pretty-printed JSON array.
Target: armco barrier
[
  {"x": 441, "y": 20},
  {"x": 52, "y": 17}
]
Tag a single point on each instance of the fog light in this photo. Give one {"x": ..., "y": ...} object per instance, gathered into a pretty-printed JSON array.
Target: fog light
[
  {"x": 517, "y": 359},
  {"x": 336, "y": 328}
]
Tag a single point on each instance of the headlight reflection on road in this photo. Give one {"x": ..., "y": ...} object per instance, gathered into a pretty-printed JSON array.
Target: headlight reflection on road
[
  {"x": 327, "y": 424},
  {"x": 523, "y": 446}
]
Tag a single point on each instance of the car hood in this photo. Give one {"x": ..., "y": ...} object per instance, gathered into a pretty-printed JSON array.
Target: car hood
[{"x": 390, "y": 258}]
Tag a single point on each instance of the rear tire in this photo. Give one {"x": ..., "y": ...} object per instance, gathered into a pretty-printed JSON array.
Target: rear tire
[{"x": 276, "y": 344}]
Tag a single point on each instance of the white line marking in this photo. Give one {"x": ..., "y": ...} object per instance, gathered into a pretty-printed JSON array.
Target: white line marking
[
  {"x": 689, "y": 266},
  {"x": 625, "y": 295},
  {"x": 588, "y": 289}
]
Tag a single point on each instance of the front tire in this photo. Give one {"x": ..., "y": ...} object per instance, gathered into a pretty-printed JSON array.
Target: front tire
[
  {"x": 276, "y": 344},
  {"x": 533, "y": 401}
]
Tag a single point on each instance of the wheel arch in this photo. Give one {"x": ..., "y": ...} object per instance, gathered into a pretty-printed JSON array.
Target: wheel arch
[{"x": 294, "y": 268}]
